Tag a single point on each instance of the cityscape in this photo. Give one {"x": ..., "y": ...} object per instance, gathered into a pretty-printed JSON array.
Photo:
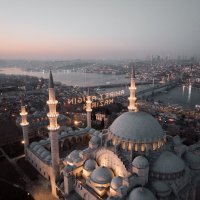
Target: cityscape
[{"x": 100, "y": 100}]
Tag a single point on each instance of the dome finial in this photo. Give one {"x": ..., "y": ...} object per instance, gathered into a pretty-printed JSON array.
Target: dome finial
[{"x": 51, "y": 83}]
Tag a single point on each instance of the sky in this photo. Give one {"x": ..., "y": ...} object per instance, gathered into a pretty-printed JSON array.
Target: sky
[{"x": 98, "y": 29}]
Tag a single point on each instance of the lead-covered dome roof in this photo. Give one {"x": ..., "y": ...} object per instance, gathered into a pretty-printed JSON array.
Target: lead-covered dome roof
[
  {"x": 116, "y": 182},
  {"x": 140, "y": 162},
  {"x": 102, "y": 175},
  {"x": 141, "y": 193},
  {"x": 74, "y": 157},
  {"x": 137, "y": 126},
  {"x": 168, "y": 163},
  {"x": 90, "y": 165}
]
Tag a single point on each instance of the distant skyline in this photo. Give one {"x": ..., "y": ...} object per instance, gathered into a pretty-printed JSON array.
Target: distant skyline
[{"x": 104, "y": 29}]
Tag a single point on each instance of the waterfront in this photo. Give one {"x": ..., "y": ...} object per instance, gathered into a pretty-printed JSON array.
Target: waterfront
[
  {"x": 71, "y": 78},
  {"x": 184, "y": 96}
]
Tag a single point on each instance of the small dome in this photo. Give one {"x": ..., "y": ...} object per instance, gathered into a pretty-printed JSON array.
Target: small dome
[
  {"x": 74, "y": 157},
  {"x": 48, "y": 158},
  {"x": 168, "y": 163},
  {"x": 33, "y": 144},
  {"x": 36, "y": 147},
  {"x": 63, "y": 133},
  {"x": 116, "y": 182},
  {"x": 90, "y": 165},
  {"x": 95, "y": 139},
  {"x": 161, "y": 187},
  {"x": 141, "y": 193},
  {"x": 40, "y": 150},
  {"x": 140, "y": 162},
  {"x": 137, "y": 126},
  {"x": 192, "y": 160},
  {"x": 44, "y": 154},
  {"x": 96, "y": 133},
  {"x": 91, "y": 130},
  {"x": 102, "y": 175}
]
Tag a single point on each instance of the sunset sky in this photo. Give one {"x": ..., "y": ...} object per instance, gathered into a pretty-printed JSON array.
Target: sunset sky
[{"x": 96, "y": 29}]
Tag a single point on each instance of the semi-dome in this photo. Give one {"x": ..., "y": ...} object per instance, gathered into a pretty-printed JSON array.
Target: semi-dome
[
  {"x": 74, "y": 157},
  {"x": 137, "y": 126},
  {"x": 116, "y": 182},
  {"x": 140, "y": 162},
  {"x": 141, "y": 193},
  {"x": 102, "y": 175},
  {"x": 90, "y": 165},
  {"x": 168, "y": 163}
]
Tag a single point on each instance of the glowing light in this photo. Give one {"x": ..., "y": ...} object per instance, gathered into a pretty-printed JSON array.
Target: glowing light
[
  {"x": 76, "y": 122},
  {"x": 189, "y": 92},
  {"x": 23, "y": 142}
]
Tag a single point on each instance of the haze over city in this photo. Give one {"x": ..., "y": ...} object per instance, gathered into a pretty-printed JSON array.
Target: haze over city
[{"x": 99, "y": 29}]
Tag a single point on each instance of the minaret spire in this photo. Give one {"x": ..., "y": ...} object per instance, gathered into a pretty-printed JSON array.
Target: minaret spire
[
  {"x": 88, "y": 109},
  {"x": 53, "y": 133},
  {"x": 51, "y": 83},
  {"x": 132, "y": 99},
  {"x": 24, "y": 124}
]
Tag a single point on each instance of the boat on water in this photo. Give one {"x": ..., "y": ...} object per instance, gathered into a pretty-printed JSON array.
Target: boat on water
[{"x": 197, "y": 107}]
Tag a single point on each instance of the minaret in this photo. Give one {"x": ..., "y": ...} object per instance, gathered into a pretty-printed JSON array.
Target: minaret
[
  {"x": 24, "y": 124},
  {"x": 88, "y": 110},
  {"x": 132, "y": 99},
  {"x": 53, "y": 133}
]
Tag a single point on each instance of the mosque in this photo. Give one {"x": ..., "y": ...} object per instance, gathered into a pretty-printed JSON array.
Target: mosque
[{"x": 131, "y": 160}]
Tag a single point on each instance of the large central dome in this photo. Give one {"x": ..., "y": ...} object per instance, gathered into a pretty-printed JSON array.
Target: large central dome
[{"x": 137, "y": 126}]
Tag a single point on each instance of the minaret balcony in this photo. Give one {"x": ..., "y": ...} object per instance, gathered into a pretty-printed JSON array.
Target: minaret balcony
[
  {"x": 51, "y": 115},
  {"x": 132, "y": 98},
  {"x": 53, "y": 128},
  {"x": 52, "y": 102},
  {"x": 23, "y": 113},
  {"x": 24, "y": 124},
  {"x": 88, "y": 110},
  {"x": 132, "y": 109},
  {"x": 132, "y": 88}
]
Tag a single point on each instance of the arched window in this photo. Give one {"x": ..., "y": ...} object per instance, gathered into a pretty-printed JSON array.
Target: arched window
[
  {"x": 154, "y": 146},
  {"x": 142, "y": 147},
  {"x": 136, "y": 147}
]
